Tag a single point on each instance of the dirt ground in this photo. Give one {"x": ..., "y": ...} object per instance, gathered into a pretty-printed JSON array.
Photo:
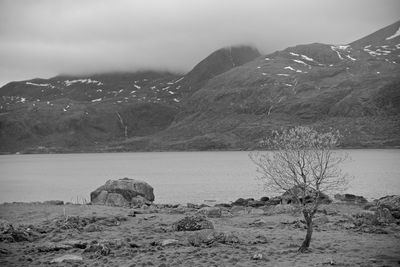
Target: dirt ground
[{"x": 112, "y": 236}]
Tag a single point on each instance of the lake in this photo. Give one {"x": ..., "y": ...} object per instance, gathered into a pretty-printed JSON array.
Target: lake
[{"x": 177, "y": 177}]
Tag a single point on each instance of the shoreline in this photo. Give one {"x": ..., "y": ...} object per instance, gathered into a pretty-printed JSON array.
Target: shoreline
[
  {"x": 52, "y": 151},
  {"x": 94, "y": 235}
]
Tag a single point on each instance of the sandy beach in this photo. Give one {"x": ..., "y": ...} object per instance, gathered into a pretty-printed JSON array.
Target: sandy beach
[{"x": 268, "y": 236}]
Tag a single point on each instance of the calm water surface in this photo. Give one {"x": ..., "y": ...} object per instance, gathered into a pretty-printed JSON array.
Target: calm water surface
[{"x": 177, "y": 177}]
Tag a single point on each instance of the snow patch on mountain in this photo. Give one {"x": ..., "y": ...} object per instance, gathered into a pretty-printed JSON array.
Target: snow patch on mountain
[
  {"x": 307, "y": 58},
  {"x": 289, "y": 68},
  {"x": 397, "y": 33},
  {"x": 39, "y": 84},
  {"x": 352, "y": 58},
  {"x": 87, "y": 81},
  {"x": 333, "y": 47},
  {"x": 300, "y": 62}
]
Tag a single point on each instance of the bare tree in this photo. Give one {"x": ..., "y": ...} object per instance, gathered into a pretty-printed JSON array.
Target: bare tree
[{"x": 303, "y": 164}]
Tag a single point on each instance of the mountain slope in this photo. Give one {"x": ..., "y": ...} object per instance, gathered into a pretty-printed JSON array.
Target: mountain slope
[
  {"x": 230, "y": 100},
  {"x": 354, "y": 87}
]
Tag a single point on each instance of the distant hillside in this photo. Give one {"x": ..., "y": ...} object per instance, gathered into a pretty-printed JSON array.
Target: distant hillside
[{"x": 230, "y": 100}]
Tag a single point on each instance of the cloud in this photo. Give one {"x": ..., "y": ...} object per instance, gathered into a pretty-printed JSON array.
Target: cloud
[{"x": 47, "y": 37}]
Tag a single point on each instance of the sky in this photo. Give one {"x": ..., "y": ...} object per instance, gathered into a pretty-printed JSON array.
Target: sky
[{"x": 43, "y": 38}]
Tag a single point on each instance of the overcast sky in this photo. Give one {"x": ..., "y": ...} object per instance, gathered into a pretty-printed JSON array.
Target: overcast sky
[{"x": 42, "y": 38}]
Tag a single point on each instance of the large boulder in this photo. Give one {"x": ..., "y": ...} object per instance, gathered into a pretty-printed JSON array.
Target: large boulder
[
  {"x": 392, "y": 203},
  {"x": 350, "y": 198},
  {"x": 123, "y": 192},
  {"x": 296, "y": 194}
]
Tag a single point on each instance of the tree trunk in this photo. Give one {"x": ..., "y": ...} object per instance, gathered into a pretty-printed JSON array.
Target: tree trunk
[{"x": 306, "y": 243}]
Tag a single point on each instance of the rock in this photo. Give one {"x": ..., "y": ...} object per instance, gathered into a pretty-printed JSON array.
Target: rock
[
  {"x": 109, "y": 221},
  {"x": 296, "y": 193},
  {"x": 259, "y": 256},
  {"x": 67, "y": 257},
  {"x": 282, "y": 208},
  {"x": 223, "y": 205},
  {"x": 76, "y": 243},
  {"x": 209, "y": 237},
  {"x": 54, "y": 202},
  {"x": 192, "y": 206},
  {"x": 50, "y": 247},
  {"x": 101, "y": 249},
  {"x": 10, "y": 234},
  {"x": 5, "y": 226},
  {"x": 255, "y": 203},
  {"x": 212, "y": 212},
  {"x": 240, "y": 210},
  {"x": 350, "y": 198},
  {"x": 123, "y": 192},
  {"x": 392, "y": 203},
  {"x": 274, "y": 201},
  {"x": 242, "y": 202},
  {"x": 373, "y": 218},
  {"x": 115, "y": 199},
  {"x": 169, "y": 242},
  {"x": 384, "y": 215},
  {"x": 264, "y": 199},
  {"x": 258, "y": 223},
  {"x": 140, "y": 201},
  {"x": 193, "y": 223},
  {"x": 231, "y": 238}
]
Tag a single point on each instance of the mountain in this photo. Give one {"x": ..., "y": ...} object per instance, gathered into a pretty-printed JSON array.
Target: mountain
[
  {"x": 352, "y": 87},
  {"x": 230, "y": 100},
  {"x": 80, "y": 113},
  {"x": 218, "y": 62}
]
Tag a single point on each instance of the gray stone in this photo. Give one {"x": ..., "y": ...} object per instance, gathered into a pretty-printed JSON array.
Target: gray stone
[
  {"x": 384, "y": 215},
  {"x": 193, "y": 223},
  {"x": 5, "y": 226},
  {"x": 282, "y": 208},
  {"x": 50, "y": 247},
  {"x": 123, "y": 192},
  {"x": 169, "y": 242},
  {"x": 115, "y": 199},
  {"x": 205, "y": 237},
  {"x": 259, "y": 256},
  {"x": 274, "y": 201},
  {"x": 350, "y": 198},
  {"x": 392, "y": 203},
  {"x": 139, "y": 201},
  {"x": 295, "y": 194}
]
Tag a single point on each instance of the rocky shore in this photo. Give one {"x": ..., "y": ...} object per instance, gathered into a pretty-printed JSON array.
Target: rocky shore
[
  {"x": 346, "y": 234},
  {"x": 122, "y": 226}
]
